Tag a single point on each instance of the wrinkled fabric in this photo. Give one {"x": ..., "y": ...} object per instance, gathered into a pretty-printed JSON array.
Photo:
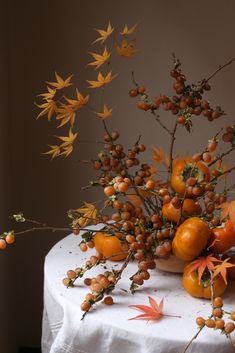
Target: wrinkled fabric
[{"x": 106, "y": 329}]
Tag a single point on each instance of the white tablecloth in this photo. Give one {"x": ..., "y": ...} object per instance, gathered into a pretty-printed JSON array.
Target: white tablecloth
[{"x": 106, "y": 329}]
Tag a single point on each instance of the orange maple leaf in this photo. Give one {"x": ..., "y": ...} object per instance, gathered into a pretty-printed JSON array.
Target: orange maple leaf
[
  {"x": 48, "y": 108},
  {"x": 104, "y": 34},
  {"x": 106, "y": 113},
  {"x": 126, "y": 49},
  {"x": 126, "y": 31},
  {"x": 158, "y": 155},
  {"x": 152, "y": 312},
  {"x": 100, "y": 59},
  {"x": 201, "y": 264},
  {"x": 222, "y": 269},
  {"x": 228, "y": 210},
  {"x": 60, "y": 82},
  {"x": 101, "y": 80}
]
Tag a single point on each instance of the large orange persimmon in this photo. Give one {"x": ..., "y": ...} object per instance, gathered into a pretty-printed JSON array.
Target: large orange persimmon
[
  {"x": 224, "y": 238},
  {"x": 185, "y": 168},
  {"x": 110, "y": 246},
  {"x": 190, "y": 207},
  {"x": 191, "y": 238},
  {"x": 203, "y": 289}
]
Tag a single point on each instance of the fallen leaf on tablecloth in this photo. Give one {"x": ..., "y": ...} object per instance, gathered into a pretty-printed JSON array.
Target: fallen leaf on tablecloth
[{"x": 152, "y": 312}]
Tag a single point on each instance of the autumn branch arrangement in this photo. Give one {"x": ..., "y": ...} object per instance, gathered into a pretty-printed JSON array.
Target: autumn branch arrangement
[{"x": 190, "y": 214}]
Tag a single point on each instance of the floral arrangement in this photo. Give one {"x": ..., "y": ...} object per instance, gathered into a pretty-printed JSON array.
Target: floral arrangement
[{"x": 189, "y": 215}]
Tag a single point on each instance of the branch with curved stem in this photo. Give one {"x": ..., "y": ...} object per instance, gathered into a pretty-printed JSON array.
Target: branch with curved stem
[
  {"x": 173, "y": 138},
  {"x": 157, "y": 118},
  {"x": 221, "y": 156},
  {"x": 221, "y": 67}
]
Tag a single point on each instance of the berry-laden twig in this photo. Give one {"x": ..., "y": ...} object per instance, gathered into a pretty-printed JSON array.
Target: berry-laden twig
[{"x": 103, "y": 285}]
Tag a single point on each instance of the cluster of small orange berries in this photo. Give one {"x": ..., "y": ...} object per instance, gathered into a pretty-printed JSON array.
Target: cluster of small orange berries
[
  {"x": 99, "y": 286},
  {"x": 6, "y": 238},
  {"x": 72, "y": 275},
  {"x": 216, "y": 320},
  {"x": 187, "y": 102}
]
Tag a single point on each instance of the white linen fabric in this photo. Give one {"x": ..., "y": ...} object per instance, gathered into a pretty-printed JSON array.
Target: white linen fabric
[{"x": 106, "y": 329}]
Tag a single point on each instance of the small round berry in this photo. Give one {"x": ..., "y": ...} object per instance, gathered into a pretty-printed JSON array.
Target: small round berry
[
  {"x": 218, "y": 302},
  {"x": 66, "y": 282},
  {"x": 212, "y": 144},
  {"x": 200, "y": 321},
  {"x": 210, "y": 323},
  {"x": 10, "y": 238},
  {"x": 141, "y": 89},
  {"x": 133, "y": 92},
  {"x": 229, "y": 327},
  {"x": 83, "y": 247},
  {"x": 3, "y": 244},
  {"x": 217, "y": 312},
  {"x": 71, "y": 274},
  {"x": 197, "y": 157},
  {"x": 85, "y": 306},
  {"x": 219, "y": 324},
  {"x": 109, "y": 190},
  {"x": 87, "y": 281},
  {"x": 108, "y": 300},
  {"x": 122, "y": 187}
]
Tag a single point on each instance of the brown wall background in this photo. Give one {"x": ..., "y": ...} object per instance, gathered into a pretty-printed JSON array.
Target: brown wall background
[{"x": 39, "y": 37}]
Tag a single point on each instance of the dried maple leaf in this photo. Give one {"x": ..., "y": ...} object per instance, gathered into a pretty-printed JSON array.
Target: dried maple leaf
[
  {"x": 68, "y": 140},
  {"x": 67, "y": 114},
  {"x": 60, "y": 83},
  {"x": 126, "y": 31},
  {"x": 54, "y": 151},
  {"x": 79, "y": 102},
  {"x": 101, "y": 80},
  {"x": 104, "y": 34},
  {"x": 48, "y": 95},
  {"x": 228, "y": 210},
  {"x": 126, "y": 49},
  {"x": 222, "y": 269},
  {"x": 100, "y": 59},
  {"x": 66, "y": 146},
  {"x": 49, "y": 108},
  {"x": 201, "y": 264},
  {"x": 158, "y": 155},
  {"x": 152, "y": 312},
  {"x": 106, "y": 113},
  {"x": 88, "y": 212}
]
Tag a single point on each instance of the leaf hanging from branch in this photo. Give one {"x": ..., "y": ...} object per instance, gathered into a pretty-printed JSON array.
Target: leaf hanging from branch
[{"x": 104, "y": 34}]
